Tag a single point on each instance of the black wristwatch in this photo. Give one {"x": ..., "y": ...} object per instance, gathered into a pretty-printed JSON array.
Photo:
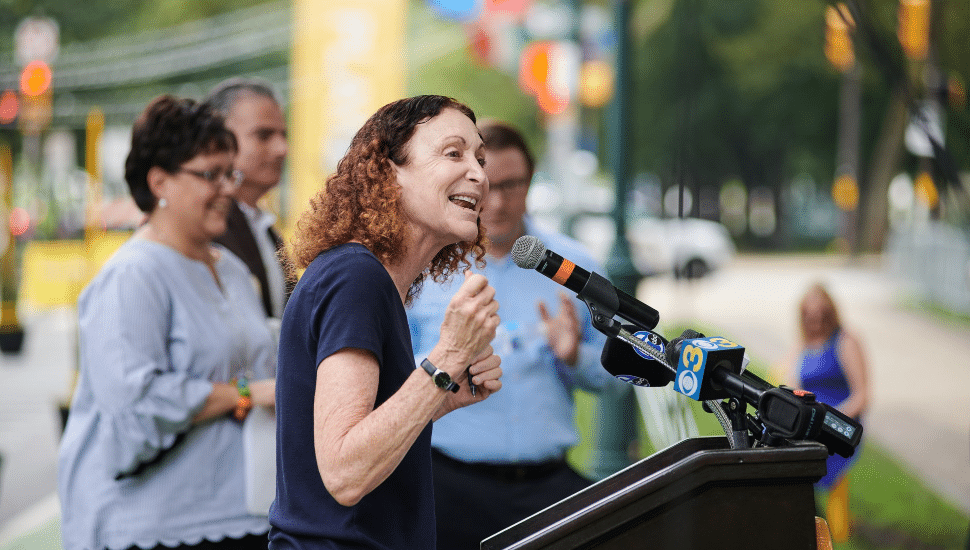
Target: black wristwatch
[{"x": 440, "y": 378}]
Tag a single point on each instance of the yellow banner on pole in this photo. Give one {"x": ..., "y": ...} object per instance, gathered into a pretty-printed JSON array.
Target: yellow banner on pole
[{"x": 347, "y": 61}]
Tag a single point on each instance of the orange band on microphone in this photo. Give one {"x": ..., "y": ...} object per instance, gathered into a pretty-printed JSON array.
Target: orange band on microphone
[{"x": 565, "y": 270}]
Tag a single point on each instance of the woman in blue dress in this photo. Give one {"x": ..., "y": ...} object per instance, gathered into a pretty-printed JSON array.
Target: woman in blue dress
[{"x": 830, "y": 362}]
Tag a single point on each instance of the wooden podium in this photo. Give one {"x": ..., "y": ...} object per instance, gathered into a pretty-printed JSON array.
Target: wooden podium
[{"x": 698, "y": 493}]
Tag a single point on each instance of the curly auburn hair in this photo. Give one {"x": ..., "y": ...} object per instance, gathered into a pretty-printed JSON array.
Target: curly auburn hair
[
  {"x": 362, "y": 200},
  {"x": 169, "y": 133}
]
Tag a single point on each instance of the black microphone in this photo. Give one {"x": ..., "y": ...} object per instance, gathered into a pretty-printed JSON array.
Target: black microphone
[
  {"x": 528, "y": 252},
  {"x": 632, "y": 366},
  {"x": 703, "y": 364}
]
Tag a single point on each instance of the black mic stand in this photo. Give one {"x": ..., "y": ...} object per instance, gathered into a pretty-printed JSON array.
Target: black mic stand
[{"x": 737, "y": 412}]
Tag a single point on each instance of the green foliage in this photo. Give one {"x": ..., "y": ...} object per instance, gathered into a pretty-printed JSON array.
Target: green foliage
[
  {"x": 890, "y": 508},
  {"x": 734, "y": 89}
]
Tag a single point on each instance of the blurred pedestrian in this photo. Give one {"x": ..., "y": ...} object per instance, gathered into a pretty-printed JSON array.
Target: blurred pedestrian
[
  {"x": 253, "y": 114},
  {"x": 355, "y": 414},
  {"x": 830, "y": 362},
  {"x": 174, "y": 351},
  {"x": 502, "y": 461}
]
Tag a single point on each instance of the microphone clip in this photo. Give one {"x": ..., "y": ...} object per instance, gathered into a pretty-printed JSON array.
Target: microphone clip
[{"x": 600, "y": 297}]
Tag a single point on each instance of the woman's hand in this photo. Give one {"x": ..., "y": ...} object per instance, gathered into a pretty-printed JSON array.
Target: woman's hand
[
  {"x": 484, "y": 372},
  {"x": 225, "y": 397},
  {"x": 469, "y": 325}
]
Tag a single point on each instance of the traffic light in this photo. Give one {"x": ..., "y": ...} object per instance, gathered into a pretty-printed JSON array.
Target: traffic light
[
  {"x": 926, "y": 191},
  {"x": 914, "y": 27},
  {"x": 35, "y": 92},
  {"x": 838, "y": 37},
  {"x": 37, "y": 43},
  {"x": 546, "y": 69},
  {"x": 9, "y": 105},
  {"x": 596, "y": 83},
  {"x": 845, "y": 193},
  {"x": 35, "y": 79}
]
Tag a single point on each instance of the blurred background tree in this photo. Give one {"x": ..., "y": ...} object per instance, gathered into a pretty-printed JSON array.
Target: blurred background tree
[{"x": 726, "y": 94}]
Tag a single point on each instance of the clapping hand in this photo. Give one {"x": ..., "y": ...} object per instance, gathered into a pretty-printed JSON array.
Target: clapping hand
[{"x": 562, "y": 330}]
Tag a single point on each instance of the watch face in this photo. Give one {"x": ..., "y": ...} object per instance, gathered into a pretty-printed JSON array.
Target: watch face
[{"x": 441, "y": 379}]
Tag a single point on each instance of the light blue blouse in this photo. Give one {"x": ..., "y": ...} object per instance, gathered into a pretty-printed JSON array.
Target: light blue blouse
[{"x": 155, "y": 331}]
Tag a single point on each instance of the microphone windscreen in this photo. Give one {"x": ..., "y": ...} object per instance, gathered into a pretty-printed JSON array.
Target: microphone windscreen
[
  {"x": 527, "y": 251},
  {"x": 673, "y": 350},
  {"x": 621, "y": 360}
]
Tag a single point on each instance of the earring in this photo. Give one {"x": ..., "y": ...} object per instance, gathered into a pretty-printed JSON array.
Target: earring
[{"x": 162, "y": 203}]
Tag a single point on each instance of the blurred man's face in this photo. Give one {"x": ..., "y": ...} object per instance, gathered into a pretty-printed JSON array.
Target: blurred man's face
[
  {"x": 260, "y": 129},
  {"x": 509, "y": 178}
]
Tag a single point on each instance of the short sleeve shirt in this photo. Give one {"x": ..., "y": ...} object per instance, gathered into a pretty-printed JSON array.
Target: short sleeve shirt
[{"x": 345, "y": 299}]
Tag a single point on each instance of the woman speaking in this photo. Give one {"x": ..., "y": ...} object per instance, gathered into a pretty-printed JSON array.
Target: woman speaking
[{"x": 354, "y": 415}]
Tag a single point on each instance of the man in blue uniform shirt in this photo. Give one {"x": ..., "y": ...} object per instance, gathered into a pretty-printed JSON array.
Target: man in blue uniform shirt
[{"x": 504, "y": 459}]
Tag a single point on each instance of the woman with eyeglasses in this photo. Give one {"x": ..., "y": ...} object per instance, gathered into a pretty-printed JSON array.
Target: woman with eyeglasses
[{"x": 174, "y": 351}]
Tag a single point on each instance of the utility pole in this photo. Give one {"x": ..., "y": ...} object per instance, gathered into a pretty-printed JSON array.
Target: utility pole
[
  {"x": 839, "y": 49},
  {"x": 616, "y": 411},
  {"x": 11, "y": 333}
]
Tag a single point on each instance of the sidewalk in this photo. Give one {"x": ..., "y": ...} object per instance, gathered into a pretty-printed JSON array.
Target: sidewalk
[
  {"x": 917, "y": 361},
  {"x": 36, "y": 380}
]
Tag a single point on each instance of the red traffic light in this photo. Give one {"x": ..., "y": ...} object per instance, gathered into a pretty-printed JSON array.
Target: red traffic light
[{"x": 8, "y": 106}]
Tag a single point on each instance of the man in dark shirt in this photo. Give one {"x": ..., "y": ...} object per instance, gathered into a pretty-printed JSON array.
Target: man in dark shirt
[{"x": 253, "y": 114}]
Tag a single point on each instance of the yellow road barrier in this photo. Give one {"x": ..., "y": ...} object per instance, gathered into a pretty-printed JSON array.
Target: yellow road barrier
[{"x": 54, "y": 272}]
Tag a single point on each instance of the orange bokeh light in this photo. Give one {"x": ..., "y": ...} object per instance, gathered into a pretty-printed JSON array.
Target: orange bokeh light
[{"x": 35, "y": 78}]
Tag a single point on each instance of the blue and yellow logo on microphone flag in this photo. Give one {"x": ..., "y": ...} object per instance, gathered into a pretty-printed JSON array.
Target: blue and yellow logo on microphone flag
[{"x": 694, "y": 357}]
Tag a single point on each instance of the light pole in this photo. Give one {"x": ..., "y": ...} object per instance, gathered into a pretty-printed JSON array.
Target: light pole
[
  {"x": 839, "y": 27},
  {"x": 11, "y": 332},
  {"x": 616, "y": 411}
]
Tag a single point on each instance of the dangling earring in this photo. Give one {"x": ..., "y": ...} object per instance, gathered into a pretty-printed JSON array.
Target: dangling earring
[{"x": 162, "y": 203}]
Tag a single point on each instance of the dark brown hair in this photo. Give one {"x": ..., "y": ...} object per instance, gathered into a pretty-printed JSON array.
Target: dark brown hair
[
  {"x": 499, "y": 136},
  {"x": 169, "y": 133},
  {"x": 361, "y": 201}
]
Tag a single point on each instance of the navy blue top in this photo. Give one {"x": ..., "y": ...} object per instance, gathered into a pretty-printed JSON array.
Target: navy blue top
[{"x": 345, "y": 299}]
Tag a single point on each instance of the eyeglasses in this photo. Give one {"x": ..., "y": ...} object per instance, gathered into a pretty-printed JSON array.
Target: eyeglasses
[
  {"x": 233, "y": 178},
  {"x": 512, "y": 186}
]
